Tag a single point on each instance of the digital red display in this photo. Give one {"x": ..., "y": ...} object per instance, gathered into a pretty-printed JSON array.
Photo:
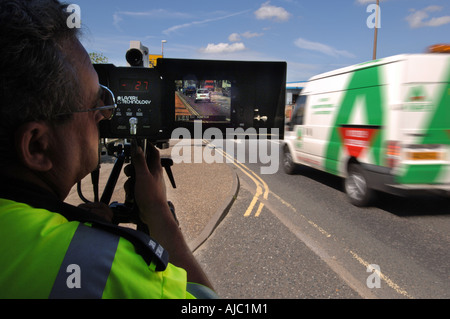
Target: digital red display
[{"x": 134, "y": 85}]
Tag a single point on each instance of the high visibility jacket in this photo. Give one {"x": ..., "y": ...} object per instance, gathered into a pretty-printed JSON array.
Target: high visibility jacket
[{"x": 45, "y": 255}]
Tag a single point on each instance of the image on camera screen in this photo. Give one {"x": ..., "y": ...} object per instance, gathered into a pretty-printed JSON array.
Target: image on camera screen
[{"x": 206, "y": 100}]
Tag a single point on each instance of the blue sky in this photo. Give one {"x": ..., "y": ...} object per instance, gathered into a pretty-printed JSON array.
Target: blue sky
[{"x": 311, "y": 36}]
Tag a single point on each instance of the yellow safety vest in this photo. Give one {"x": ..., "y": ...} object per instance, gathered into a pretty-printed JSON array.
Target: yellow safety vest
[{"x": 44, "y": 255}]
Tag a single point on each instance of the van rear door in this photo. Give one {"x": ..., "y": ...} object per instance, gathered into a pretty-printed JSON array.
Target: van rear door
[{"x": 425, "y": 122}]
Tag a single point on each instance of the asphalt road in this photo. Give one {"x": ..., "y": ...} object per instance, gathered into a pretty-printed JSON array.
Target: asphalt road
[
  {"x": 218, "y": 106},
  {"x": 296, "y": 236}
]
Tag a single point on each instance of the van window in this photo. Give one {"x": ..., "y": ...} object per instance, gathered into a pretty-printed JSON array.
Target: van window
[{"x": 299, "y": 111}]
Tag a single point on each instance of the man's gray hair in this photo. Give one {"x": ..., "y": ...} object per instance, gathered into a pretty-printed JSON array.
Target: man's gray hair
[{"x": 37, "y": 79}]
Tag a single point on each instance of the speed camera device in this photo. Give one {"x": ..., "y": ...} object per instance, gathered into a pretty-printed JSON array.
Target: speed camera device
[
  {"x": 137, "y": 55},
  {"x": 178, "y": 93}
]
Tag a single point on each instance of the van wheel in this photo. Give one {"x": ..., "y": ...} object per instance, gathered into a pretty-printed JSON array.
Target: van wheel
[
  {"x": 357, "y": 188},
  {"x": 288, "y": 163}
]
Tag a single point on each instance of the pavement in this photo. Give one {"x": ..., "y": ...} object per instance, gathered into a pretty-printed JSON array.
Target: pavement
[{"x": 203, "y": 195}]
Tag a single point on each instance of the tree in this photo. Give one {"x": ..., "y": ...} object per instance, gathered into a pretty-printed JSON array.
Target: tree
[{"x": 97, "y": 57}]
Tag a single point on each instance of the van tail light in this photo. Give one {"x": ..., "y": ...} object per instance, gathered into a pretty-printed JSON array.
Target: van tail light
[{"x": 393, "y": 153}]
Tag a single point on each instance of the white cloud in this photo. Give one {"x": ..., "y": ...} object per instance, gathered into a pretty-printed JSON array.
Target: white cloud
[
  {"x": 236, "y": 37},
  {"x": 267, "y": 11},
  {"x": 212, "y": 48},
  {"x": 249, "y": 34},
  {"x": 189, "y": 24},
  {"x": 322, "y": 48},
  {"x": 420, "y": 18},
  {"x": 157, "y": 13}
]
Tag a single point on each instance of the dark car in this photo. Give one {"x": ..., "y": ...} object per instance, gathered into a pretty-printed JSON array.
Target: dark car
[{"x": 190, "y": 91}]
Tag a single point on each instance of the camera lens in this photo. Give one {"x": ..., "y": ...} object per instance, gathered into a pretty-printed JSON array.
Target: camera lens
[{"x": 134, "y": 57}]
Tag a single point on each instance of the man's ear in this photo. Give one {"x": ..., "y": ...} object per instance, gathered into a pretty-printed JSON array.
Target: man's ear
[{"x": 32, "y": 145}]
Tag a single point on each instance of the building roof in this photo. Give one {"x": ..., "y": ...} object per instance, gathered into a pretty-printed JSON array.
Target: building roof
[{"x": 297, "y": 85}]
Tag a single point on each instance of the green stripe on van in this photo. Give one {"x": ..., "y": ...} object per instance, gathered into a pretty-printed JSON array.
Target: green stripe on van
[{"x": 364, "y": 84}]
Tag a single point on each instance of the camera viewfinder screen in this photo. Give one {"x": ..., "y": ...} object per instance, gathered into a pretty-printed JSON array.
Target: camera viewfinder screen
[{"x": 206, "y": 100}]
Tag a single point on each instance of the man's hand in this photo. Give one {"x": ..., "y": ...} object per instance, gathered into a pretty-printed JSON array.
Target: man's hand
[
  {"x": 147, "y": 179},
  {"x": 147, "y": 184}
]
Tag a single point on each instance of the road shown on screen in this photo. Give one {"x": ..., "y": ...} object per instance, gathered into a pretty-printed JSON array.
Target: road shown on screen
[{"x": 186, "y": 105}]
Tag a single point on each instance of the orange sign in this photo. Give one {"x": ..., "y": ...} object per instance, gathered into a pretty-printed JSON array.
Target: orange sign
[{"x": 153, "y": 59}]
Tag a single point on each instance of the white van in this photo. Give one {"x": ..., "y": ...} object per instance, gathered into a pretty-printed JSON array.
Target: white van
[{"x": 382, "y": 125}]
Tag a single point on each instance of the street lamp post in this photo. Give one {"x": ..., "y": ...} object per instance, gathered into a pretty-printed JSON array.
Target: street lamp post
[
  {"x": 162, "y": 47},
  {"x": 376, "y": 31}
]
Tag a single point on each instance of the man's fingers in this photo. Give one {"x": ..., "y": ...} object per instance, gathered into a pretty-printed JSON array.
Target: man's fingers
[
  {"x": 153, "y": 159},
  {"x": 137, "y": 157}
]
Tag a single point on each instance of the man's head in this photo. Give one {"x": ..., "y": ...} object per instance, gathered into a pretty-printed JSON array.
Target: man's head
[
  {"x": 37, "y": 79},
  {"x": 45, "y": 77}
]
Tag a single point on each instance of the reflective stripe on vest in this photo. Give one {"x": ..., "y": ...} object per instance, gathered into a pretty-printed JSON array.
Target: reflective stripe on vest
[{"x": 86, "y": 265}]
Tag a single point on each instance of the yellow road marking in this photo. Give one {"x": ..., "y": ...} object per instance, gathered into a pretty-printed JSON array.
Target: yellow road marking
[
  {"x": 388, "y": 281},
  {"x": 259, "y": 182}
]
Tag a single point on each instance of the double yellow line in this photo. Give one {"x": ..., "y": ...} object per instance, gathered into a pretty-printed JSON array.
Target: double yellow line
[{"x": 261, "y": 186}]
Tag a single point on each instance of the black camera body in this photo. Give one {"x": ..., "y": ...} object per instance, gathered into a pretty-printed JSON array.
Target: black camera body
[
  {"x": 178, "y": 93},
  {"x": 138, "y": 93}
]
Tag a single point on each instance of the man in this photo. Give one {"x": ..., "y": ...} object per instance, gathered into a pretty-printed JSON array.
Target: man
[{"x": 50, "y": 107}]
